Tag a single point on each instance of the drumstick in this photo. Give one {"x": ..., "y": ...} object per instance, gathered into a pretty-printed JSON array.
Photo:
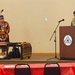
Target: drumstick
[{"x": 1, "y": 11}]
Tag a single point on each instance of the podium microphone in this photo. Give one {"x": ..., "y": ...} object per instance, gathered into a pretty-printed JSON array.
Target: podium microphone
[{"x": 61, "y": 20}]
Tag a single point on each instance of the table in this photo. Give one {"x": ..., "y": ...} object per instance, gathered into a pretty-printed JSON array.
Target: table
[
  {"x": 11, "y": 44},
  {"x": 38, "y": 69}
]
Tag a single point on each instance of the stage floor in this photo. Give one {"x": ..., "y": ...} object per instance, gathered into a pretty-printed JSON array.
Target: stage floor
[{"x": 35, "y": 58}]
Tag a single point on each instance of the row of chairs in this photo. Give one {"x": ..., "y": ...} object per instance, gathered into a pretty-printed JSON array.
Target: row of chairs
[{"x": 48, "y": 70}]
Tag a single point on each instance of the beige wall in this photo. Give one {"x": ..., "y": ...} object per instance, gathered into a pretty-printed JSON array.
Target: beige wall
[{"x": 35, "y": 20}]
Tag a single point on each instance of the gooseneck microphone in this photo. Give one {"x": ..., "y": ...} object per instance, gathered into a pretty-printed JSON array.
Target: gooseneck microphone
[{"x": 61, "y": 20}]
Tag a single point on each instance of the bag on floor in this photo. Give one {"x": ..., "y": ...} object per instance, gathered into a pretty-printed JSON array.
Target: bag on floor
[
  {"x": 16, "y": 52},
  {"x": 11, "y": 54}
]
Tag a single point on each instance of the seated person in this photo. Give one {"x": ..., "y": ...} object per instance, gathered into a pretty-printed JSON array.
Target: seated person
[
  {"x": 73, "y": 20},
  {"x": 4, "y": 30}
]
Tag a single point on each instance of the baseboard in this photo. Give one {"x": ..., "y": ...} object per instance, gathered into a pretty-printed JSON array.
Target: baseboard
[{"x": 44, "y": 53}]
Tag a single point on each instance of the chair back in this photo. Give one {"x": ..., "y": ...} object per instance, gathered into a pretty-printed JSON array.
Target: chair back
[
  {"x": 22, "y": 69},
  {"x": 52, "y": 69}
]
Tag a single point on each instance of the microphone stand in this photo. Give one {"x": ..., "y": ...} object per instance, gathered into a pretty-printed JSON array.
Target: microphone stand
[{"x": 54, "y": 41}]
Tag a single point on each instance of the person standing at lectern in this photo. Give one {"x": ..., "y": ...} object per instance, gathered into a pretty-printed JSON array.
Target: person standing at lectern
[
  {"x": 4, "y": 30},
  {"x": 73, "y": 20}
]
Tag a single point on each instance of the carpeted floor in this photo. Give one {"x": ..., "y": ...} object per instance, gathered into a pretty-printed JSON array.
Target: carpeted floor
[{"x": 35, "y": 58}]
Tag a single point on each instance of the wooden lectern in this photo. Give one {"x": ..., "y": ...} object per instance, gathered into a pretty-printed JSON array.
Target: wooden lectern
[{"x": 67, "y": 42}]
